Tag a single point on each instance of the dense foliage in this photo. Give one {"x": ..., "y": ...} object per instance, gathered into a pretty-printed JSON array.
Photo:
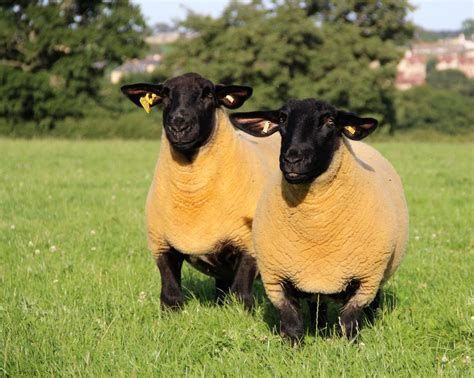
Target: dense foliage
[
  {"x": 52, "y": 54},
  {"x": 451, "y": 80},
  {"x": 340, "y": 51},
  {"x": 443, "y": 105}
]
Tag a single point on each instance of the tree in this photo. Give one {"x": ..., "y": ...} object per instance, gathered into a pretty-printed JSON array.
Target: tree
[
  {"x": 451, "y": 80},
  {"x": 468, "y": 27},
  {"x": 54, "y": 52},
  {"x": 385, "y": 19},
  {"x": 340, "y": 51},
  {"x": 433, "y": 109}
]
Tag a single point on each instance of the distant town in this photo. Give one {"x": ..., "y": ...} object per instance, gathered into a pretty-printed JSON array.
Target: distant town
[
  {"x": 455, "y": 53},
  {"x": 449, "y": 53},
  {"x": 150, "y": 62}
]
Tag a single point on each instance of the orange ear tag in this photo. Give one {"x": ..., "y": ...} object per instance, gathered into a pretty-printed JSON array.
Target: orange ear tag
[
  {"x": 351, "y": 129},
  {"x": 230, "y": 99},
  {"x": 148, "y": 100},
  {"x": 266, "y": 127}
]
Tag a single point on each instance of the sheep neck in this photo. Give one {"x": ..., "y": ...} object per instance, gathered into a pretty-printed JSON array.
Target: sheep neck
[
  {"x": 215, "y": 159},
  {"x": 336, "y": 181}
]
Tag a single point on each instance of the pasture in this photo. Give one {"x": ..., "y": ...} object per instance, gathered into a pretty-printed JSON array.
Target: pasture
[{"x": 80, "y": 293}]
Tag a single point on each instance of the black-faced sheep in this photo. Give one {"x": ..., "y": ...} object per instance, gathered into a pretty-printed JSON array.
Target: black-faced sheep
[
  {"x": 336, "y": 223},
  {"x": 207, "y": 181}
]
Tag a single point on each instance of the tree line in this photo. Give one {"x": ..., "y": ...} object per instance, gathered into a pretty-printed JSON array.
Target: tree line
[{"x": 54, "y": 55}]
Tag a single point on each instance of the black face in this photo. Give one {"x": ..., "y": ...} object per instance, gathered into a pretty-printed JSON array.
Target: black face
[
  {"x": 308, "y": 139},
  {"x": 310, "y": 134},
  {"x": 189, "y": 106}
]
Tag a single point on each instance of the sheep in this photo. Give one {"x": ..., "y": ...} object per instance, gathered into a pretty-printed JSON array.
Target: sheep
[
  {"x": 207, "y": 180},
  {"x": 335, "y": 223}
]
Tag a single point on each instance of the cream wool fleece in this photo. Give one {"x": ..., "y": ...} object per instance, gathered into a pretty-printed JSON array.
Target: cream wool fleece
[
  {"x": 349, "y": 223},
  {"x": 198, "y": 206}
]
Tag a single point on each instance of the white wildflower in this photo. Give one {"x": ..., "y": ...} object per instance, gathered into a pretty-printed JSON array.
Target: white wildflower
[
  {"x": 53, "y": 248},
  {"x": 37, "y": 251},
  {"x": 141, "y": 297}
]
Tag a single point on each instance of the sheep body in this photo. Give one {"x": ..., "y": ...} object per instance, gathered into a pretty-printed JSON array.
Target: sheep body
[
  {"x": 199, "y": 207},
  {"x": 350, "y": 223}
]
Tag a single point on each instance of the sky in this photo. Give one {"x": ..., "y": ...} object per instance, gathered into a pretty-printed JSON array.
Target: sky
[{"x": 430, "y": 14}]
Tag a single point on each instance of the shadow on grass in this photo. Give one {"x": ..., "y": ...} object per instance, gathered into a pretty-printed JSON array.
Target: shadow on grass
[
  {"x": 202, "y": 288},
  {"x": 198, "y": 286}
]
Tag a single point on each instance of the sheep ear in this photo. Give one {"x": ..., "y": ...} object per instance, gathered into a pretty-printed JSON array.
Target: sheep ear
[
  {"x": 355, "y": 127},
  {"x": 143, "y": 95},
  {"x": 232, "y": 96},
  {"x": 258, "y": 124}
]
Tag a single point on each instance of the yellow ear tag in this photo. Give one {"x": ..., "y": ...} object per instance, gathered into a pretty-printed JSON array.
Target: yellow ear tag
[
  {"x": 230, "y": 99},
  {"x": 351, "y": 129},
  {"x": 266, "y": 127},
  {"x": 148, "y": 100}
]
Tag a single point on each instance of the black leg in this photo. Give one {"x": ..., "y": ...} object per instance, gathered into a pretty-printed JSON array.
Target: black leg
[
  {"x": 170, "y": 264},
  {"x": 222, "y": 289},
  {"x": 371, "y": 309},
  {"x": 243, "y": 280},
  {"x": 291, "y": 320},
  {"x": 318, "y": 315},
  {"x": 349, "y": 320}
]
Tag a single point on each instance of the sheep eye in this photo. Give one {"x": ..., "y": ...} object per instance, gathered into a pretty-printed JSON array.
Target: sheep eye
[
  {"x": 329, "y": 121},
  {"x": 282, "y": 118},
  {"x": 207, "y": 93}
]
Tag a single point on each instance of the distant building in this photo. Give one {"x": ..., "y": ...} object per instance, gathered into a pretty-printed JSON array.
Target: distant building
[
  {"x": 411, "y": 71},
  {"x": 148, "y": 64},
  {"x": 450, "y": 53},
  {"x": 162, "y": 38},
  {"x": 463, "y": 63},
  {"x": 446, "y": 46}
]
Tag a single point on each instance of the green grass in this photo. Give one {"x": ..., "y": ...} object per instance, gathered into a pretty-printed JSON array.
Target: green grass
[{"x": 80, "y": 292}]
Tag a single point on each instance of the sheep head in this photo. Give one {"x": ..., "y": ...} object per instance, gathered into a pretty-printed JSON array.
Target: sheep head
[
  {"x": 189, "y": 106},
  {"x": 310, "y": 134}
]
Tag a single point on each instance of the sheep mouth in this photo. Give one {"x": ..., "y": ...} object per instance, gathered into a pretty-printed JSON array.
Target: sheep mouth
[
  {"x": 184, "y": 145},
  {"x": 297, "y": 178}
]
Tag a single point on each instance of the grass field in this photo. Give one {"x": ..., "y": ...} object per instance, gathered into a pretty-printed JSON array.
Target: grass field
[{"x": 80, "y": 293}]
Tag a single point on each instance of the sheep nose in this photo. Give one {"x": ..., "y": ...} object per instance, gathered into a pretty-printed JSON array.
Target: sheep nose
[
  {"x": 292, "y": 156},
  {"x": 179, "y": 124}
]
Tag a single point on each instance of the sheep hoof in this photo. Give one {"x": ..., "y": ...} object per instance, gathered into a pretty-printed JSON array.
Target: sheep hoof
[
  {"x": 293, "y": 340},
  {"x": 172, "y": 303},
  {"x": 294, "y": 334},
  {"x": 248, "y": 302},
  {"x": 349, "y": 326}
]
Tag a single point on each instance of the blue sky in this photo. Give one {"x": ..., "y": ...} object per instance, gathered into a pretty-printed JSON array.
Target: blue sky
[{"x": 431, "y": 14}]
